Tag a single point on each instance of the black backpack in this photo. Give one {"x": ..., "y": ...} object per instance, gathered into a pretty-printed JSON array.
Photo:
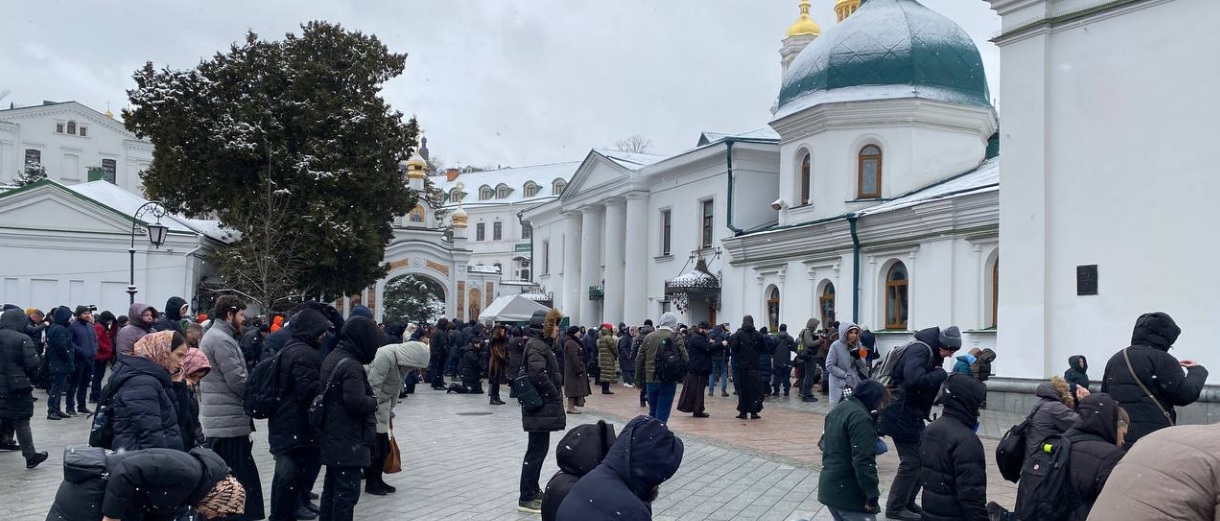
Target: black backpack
[
  {"x": 1045, "y": 492},
  {"x": 670, "y": 368},
  {"x": 101, "y": 433},
  {"x": 262, "y": 397},
  {"x": 1010, "y": 452}
]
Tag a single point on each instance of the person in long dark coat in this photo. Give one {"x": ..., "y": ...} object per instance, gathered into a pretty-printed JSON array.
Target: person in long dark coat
[
  {"x": 61, "y": 361},
  {"x": 747, "y": 346},
  {"x": 349, "y": 427},
  {"x": 497, "y": 363},
  {"x": 543, "y": 371},
  {"x": 698, "y": 348},
  {"x": 577, "y": 454},
  {"x": 293, "y": 441},
  {"x": 575, "y": 372},
  {"x": 438, "y": 352},
  {"x": 18, "y": 365},
  {"x": 625, "y": 362}
]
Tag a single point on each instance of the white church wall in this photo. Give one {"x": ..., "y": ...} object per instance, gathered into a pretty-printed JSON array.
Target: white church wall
[{"x": 1128, "y": 185}]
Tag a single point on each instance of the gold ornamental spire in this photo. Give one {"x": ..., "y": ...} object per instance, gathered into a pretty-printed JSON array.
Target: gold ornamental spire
[
  {"x": 805, "y": 24},
  {"x": 845, "y": 8}
]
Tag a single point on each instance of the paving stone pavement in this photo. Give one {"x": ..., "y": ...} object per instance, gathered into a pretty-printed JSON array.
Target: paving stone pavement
[{"x": 461, "y": 460}]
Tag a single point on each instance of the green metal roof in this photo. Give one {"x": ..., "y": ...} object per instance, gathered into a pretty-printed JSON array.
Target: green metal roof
[{"x": 888, "y": 49}]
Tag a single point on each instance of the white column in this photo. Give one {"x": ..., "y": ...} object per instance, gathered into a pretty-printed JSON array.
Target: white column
[
  {"x": 615, "y": 237},
  {"x": 571, "y": 267},
  {"x": 590, "y": 261},
  {"x": 635, "y": 294}
]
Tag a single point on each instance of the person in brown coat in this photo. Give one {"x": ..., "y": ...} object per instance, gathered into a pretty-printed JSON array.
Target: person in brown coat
[
  {"x": 1171, "y": 474},
  {"x": 538, "y": 360},
  {"x": 575, "y": 373}
]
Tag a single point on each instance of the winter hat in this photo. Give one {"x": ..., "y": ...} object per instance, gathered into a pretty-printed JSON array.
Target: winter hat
[
  {"x": 648, "y": 322},
  {"x": 871, "y": 393},
  {"x": 608, "y": 326},
  {"x": 225, "y": 499},
  {"x": 572, "y": 331},
  {"x": 537, "y": 319},
  {"x": 868, "y": 339},
  {"x": 157, "y": 347},
  {"x": 81, "y": 310},
  {"x": 668, "y": 319},
  {"x": 747, "y": 321},
  {"x": 783, "y": 327},
  {"x": 951, "y": 338},
  {"x": 705, "y": 325}
]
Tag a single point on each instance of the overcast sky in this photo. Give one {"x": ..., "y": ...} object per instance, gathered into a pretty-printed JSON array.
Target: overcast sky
[{"x": 509, "y": 82}]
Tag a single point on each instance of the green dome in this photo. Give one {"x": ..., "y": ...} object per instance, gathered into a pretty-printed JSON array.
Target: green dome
[{"x": 888, "y": 49}]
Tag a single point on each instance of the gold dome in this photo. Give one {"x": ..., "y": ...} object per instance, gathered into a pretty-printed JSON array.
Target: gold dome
[
  {"x": 108, "y": 114},
  {"x": 805, "y": 24},
  {"x": 459, "y": 218},
  {"x": 845, "y": 8},
  {"x": 417, "y": 168}
]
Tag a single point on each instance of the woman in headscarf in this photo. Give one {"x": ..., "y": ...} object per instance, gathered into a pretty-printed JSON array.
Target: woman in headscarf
[
  {"x": 186, "y": 389},
  {"x": 145, "y": 405}
]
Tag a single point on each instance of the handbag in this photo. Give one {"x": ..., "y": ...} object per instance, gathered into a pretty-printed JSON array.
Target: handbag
[
  {"x": 523, "y": 389},
  {"x": 1127, "y": 358},
  {"x": 393, "y": 460}
]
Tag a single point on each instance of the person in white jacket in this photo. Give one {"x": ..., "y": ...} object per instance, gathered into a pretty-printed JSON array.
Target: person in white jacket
[
  {"x": 390, "y": 366},
  {"x": 840, "y": 365}
]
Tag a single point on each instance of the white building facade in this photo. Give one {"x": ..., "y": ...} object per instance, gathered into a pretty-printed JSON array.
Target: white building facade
[
  {"x": 69, "y": 139},
  {"x": 1109, "y": 177}
]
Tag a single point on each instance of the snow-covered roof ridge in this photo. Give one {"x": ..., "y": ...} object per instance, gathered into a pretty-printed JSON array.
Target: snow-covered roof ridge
[
  {"x": 630, "y": 160},
  {"x": 514, "y": 178},
  {"x": 127, "y": 203},
  {"x": 766, "y": 133}
]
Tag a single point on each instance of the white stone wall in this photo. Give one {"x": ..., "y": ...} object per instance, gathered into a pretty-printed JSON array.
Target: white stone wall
[{"x": 1108, "y": 160}]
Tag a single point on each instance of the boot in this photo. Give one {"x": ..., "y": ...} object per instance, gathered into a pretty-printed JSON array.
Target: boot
[{"x": 34, "y": 461}]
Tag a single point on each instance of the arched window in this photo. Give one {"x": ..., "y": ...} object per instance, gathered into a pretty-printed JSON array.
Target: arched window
[
  {"x": 502, "y": 191},
  {"x": 826, "y": 303},
  {"x": 995, "y": 294},
  {"x": 531, "y": 189},
  {"x": 869, "y": 173},
  {"x": 416, "y": 215},
  {"x": 72, "y": 127},
  {"x": 484, "y": 193},
  {"x": 896, "y": 297},
  {"x": 558, "y": 186},
  {"x": 455, "y": 195},
  {"x": 773, "y": 308},
  {"x": 805, "y": 174}
]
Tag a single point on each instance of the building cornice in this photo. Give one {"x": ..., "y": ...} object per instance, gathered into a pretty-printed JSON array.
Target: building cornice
[
  {"x": 1025, "y": 18},
  {"x": 887, "y": 113},
  {"x": 67, "y": 108}
]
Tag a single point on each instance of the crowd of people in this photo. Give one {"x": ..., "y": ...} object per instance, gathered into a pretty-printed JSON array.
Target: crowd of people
[{"x": 169, "y": 395}]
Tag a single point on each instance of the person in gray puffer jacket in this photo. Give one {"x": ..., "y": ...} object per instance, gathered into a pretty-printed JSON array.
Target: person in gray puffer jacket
[{"x": 842, "y": 368}]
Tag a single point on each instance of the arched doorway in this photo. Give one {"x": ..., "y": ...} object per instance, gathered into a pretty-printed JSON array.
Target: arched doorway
[
  {"x": 413, "y": 298},
  {"x": 772, "y": 308},
  {"x": 476, "y": 299}
]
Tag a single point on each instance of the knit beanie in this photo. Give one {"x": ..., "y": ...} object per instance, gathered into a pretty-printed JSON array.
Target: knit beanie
[
  {"x": 225, "y": 499},
  {"x": 951, "y": 338},
  {"x": 871, "y": 393}
]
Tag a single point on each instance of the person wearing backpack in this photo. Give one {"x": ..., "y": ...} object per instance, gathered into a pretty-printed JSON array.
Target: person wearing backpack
[
  {"x": 1054, "y": 413},
  {"x": 953, "y": 464},
  {"x": 917, "y": 375},
  {"x": 807, "y": 354},
  {"x": 1097, "y": 439},
  {"x": 637, "y": 342},
  {"x": 661, "y": 383},
  {"x": 293, "y": 441}
]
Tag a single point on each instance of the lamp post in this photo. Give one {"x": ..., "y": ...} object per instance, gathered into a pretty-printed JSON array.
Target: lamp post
[{"x": 156, "y": 236}]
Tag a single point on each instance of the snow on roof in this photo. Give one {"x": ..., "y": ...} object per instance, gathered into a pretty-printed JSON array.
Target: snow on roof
[
  {"x": 985, "y": 178},
  {"x": 127, "y": 203},
  {"x": 514, "y": 178},
  {"x": 630, "y": 160},
  {"x": 868, "y": 93},
  {"x": 708, "y": 138}
]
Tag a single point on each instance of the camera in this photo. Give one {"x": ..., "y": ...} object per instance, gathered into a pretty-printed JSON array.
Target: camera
[{"x": 92, "y": 307}]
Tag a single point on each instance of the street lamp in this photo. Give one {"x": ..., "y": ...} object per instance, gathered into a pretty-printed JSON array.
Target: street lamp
[{"x": 156, "y": 236}]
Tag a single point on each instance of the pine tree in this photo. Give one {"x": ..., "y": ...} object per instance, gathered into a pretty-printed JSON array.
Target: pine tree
[{"x": 302, "y": 115}]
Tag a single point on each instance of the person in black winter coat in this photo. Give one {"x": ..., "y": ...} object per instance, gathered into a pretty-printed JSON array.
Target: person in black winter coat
[
  {"x": 61, "y": 361},
  {"x": 18, "y": 365},
  {"x": 645, "y": 455},
  {"x": 580, "y": 451},
  {"x": 918, "y": 374},
  {"x": 438, "y": 350},
  {"x": 1078, "y": 371},
  {"x": 144, "y": 407},
  {"x": 747, "y": 346},
  {"x": 1158, "y": 371},
  {"x": 149, "y": 485},
  {"x": 953, "y": 462},
  {"x": 293, "y": 441},
  {"x": 625, "y": 361},
  {"x": 1097, "y": 441},
  {"x": 546, "y": 375},
  {"x": 764, "y": 361},
  {"x": 781, "y": 361},
  {"x": 84, "y": 342},
  {"x": 698, "y": 369},
  {"x": 174, "y": 313},
  {"x": 469, "y": 370},
  {"x": 252, "y": 342},
  {"x": 350, "y": 424}
]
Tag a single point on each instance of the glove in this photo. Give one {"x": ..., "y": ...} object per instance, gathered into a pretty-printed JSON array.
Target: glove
[{"x": 872, "y": 505}]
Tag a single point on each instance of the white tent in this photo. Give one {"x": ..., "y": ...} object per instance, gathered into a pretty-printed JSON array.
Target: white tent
[{"x": 510, "y": 308}]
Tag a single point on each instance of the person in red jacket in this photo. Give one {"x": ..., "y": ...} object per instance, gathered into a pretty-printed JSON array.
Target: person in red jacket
[{"x": 107, "y": 327}]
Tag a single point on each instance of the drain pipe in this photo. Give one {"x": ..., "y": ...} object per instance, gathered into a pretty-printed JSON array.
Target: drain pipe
[
  {"x": 729, "y": 160},
  {"x": 855, "y": 271}
]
